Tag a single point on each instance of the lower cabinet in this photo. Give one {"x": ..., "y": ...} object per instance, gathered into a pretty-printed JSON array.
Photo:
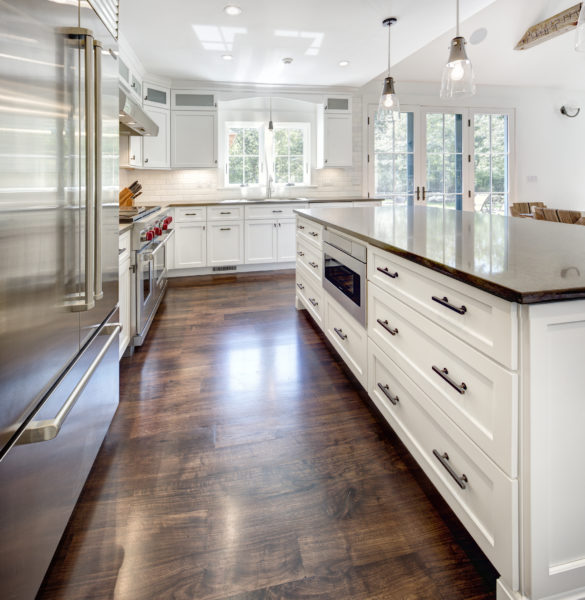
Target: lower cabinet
[
  {"x": 190, "y": 245},
  {"x": 270, "y": 241},
  {"x": 125, "y": 298},
  {"x": 286, "y": 241},
  {"x": 225, "y": 243}
]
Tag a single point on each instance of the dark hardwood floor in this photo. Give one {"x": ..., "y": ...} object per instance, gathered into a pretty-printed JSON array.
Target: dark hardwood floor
[{"x": 244, "y": 464}]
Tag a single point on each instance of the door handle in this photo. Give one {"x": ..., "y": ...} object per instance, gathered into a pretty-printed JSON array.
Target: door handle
[
  {"x": 48, "y": 429},
  {"x": 424, "y": 194},
  {"x": 418, "y": 192}
]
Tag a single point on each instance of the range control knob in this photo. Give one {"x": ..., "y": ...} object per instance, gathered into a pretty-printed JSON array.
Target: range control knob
[
  {"x": 149, "y": 235},
  {"x": 168, "y": 220},
  {"x": 157, "y": 231},
  {"x": 165, "y": 226}
]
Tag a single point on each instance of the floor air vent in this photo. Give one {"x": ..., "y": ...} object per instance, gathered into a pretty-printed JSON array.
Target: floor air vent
[{"x": 228, "y": 268}]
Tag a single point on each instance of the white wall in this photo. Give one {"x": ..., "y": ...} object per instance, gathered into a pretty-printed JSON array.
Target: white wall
[{"x": 549, "y": 145}]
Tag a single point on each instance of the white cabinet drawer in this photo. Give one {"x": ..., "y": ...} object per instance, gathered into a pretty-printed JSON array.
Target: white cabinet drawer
[
  {"x": 486, "y": 322},
  {"x": 310, "y": 295},
  {"x": 311, "y": 258},
  {"x": 348, "y": 337},
  {"x": 225, "y": 213},
  {"x": 272, "y": 211},
  {"x": 124, "y": 242},
  {"x": 476, "y": 393},
  {"x": 310, "y": 231},
  {"x": 190, "y": 213},
  {"x": 487, "y": 505}
]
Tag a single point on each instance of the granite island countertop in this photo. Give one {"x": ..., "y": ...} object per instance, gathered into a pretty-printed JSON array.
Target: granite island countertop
[{"x": 520, "y": 260}]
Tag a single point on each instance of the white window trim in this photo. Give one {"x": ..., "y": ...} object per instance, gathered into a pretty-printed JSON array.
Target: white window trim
[
  {"x": 306, "y": 128},
  {"x": 261, "y": 162}
]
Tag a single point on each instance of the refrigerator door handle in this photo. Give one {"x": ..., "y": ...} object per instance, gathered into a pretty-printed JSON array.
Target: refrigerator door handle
[
  {"x": 97, "y": 50},
  {"x": 48, "y": 429},
  {"x": 88, "y": 301}
]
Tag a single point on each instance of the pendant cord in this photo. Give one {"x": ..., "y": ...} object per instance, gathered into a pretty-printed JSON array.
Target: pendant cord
[
  {"x": 389, "y": 28},
  {"x": 457, "y": 4}
]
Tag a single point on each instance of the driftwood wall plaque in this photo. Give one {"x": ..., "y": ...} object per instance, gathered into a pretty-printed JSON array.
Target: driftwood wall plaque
[{"x": 550, "y": 28}]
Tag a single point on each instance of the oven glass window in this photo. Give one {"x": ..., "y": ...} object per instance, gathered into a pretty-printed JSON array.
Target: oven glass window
[
  {"x": 343, "y": 278},
  {"x": 159, "y": 263}
]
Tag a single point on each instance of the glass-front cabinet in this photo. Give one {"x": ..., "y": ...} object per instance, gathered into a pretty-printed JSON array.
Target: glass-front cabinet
[{"x": 156, "y": 96}]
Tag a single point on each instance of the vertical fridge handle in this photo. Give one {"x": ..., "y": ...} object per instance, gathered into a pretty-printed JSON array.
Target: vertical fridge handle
[
  {"x": 86, "y": 44},
  {"x": 98, "y": 290}
]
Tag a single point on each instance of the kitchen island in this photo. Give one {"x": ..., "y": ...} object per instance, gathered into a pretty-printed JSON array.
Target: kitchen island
[{"x": 473, "y": 354}]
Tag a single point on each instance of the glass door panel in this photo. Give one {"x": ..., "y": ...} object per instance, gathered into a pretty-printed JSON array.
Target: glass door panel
[
  {"x": 491, "y": 151},
  {"x": 443, "y": 159},
  {"x": 393, "y": 156}
]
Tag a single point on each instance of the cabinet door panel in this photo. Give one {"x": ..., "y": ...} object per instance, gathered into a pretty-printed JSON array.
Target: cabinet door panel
[
  {"x": 124, "y": 300},
  {"x": 190, "y": 245},
  {"x": 194, "y": 139},
  {"x": 287, "y": 245},
  {"x": 225, "y": 243},
  {"x": 338, "y": 141},
  {"x": 261, "y": 241},
  {"x": 156, "y": 150}
]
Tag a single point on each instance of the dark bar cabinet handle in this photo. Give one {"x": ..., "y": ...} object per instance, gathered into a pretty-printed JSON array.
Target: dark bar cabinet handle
[
  {"x": 387, "y": 327},
  {"x": 386, "y": 391},
  {"x": 314, "y": 265},
  {"x": 444, "y": 374},
  {"x": 340, "y": 333},
  {"x": 444, "y": 301},
  {"x": 313, "y": 233},
  {"x": 225, "y": 228},
  {"x": 387, "y": 272},
  {"x": 461, "y": 480},
  {"x": 313, "y": 302},
  {"x": 300, "y": 226},
  {"x": 300, "y": 253},
  {"x": 300, "y": 286}
]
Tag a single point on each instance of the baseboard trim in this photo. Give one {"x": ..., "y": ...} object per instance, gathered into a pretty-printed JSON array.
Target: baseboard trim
[{"x": 239, "y": 269}]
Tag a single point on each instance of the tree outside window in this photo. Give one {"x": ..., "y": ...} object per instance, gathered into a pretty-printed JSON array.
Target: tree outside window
[{"x": 289, "y": 154}]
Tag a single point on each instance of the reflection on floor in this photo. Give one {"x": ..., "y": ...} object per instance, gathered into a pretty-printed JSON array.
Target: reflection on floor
[{"x": 243, "y": 464}]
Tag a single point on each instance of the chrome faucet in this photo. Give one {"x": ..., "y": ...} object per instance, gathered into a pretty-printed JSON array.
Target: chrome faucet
[{"x": 269, "y": 188}]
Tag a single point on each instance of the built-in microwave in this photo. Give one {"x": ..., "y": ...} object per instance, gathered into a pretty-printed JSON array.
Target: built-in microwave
[{"x": 344, "y": 272}]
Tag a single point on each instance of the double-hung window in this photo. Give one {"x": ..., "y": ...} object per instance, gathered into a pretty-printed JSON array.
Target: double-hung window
[{"x": 291, "y": 153}]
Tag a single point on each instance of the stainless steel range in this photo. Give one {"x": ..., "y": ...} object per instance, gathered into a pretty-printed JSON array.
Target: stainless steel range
[{"x": 150, "y": 235}]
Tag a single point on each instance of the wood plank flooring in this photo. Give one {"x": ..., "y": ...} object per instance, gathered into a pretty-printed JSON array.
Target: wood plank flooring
[{"x": 244, "y": 464}]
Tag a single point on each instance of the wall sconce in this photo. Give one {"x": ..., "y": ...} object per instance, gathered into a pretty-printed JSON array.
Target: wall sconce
[{"x": 570, "y": 111}]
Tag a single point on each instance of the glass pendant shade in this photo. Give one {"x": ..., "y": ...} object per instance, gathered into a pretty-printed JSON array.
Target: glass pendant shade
[
  {"x": 458, "y": 78},
  {"x": 580, "y": 34},
  {"x": 389, "y": 100}
]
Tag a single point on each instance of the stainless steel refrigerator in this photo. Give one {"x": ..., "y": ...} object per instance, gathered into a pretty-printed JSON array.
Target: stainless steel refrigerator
[{"x": 58, "y": 269}]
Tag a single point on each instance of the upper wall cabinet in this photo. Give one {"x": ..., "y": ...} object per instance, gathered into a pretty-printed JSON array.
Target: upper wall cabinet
[
  {"x": 156, "y": 150},
  {"x": 156, "y": 96},
  {"x": 130, "y": 79},
  {"x": 193, "y": 139},
  {"x": 334, "y": 135},
  {"x": 191, "y": 100}
]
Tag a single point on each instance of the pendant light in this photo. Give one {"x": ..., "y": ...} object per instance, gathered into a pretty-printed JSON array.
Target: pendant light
[
  {"x": 458, "y": 79},
  {"x": 580, "y": 37},
  {"x": 270, "y": 123},
  {"x": 389, "y": 100}
]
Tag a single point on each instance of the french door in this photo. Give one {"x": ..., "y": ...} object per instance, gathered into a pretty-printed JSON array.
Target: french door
[{"x": 447, "y": 157}]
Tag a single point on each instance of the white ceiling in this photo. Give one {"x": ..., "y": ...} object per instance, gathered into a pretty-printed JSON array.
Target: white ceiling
[
  {"x": 553, "y": 63},
  {"x": 185, "y": 39}
]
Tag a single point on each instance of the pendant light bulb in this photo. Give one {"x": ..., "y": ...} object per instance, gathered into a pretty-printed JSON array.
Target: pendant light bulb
[
  {"x": 389, "y": 100},
  {"x": 580, "y": 33},
  {"x": 458, "y": 77}
]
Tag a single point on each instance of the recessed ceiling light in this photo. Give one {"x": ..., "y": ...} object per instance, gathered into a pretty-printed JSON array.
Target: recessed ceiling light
[
  {"x": 478, "y": 36},
  {"x": 232, "y": 10},
  {"x": 344, "y": 63},
  {"x": 227, "y": 56},
  {"x": 287, "y": 60}
]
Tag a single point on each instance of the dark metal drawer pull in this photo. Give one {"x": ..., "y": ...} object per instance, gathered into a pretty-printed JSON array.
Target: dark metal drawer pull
[
  {"x": 340, "y": 333},
  {"x": 444, "y": 460},
  {"x": 314, "y": 265},
  {"x": 313, "y": 302},
  {"x": 300, "y": 227},
  {"x": 190, "y": 214},
  {"x": 444, "y": 301},
  {"x": 313, "y": 233},
  {"x": 444, "y": 374},
  {"x": 300, "y": 253},
  {"x": 386, "y": 391},
  {"x": 276, "y": 211},
  {"x": 387, "y": 327},
  {"x": 225, "y": 213},
  {"x": 225, "y": 228},
  {"x": 300, "y": 286},
  {"x": 386, "y": 272}
]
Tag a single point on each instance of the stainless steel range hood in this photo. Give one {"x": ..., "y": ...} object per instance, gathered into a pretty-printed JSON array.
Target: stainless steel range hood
[{"x": 133, "y": 120}]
